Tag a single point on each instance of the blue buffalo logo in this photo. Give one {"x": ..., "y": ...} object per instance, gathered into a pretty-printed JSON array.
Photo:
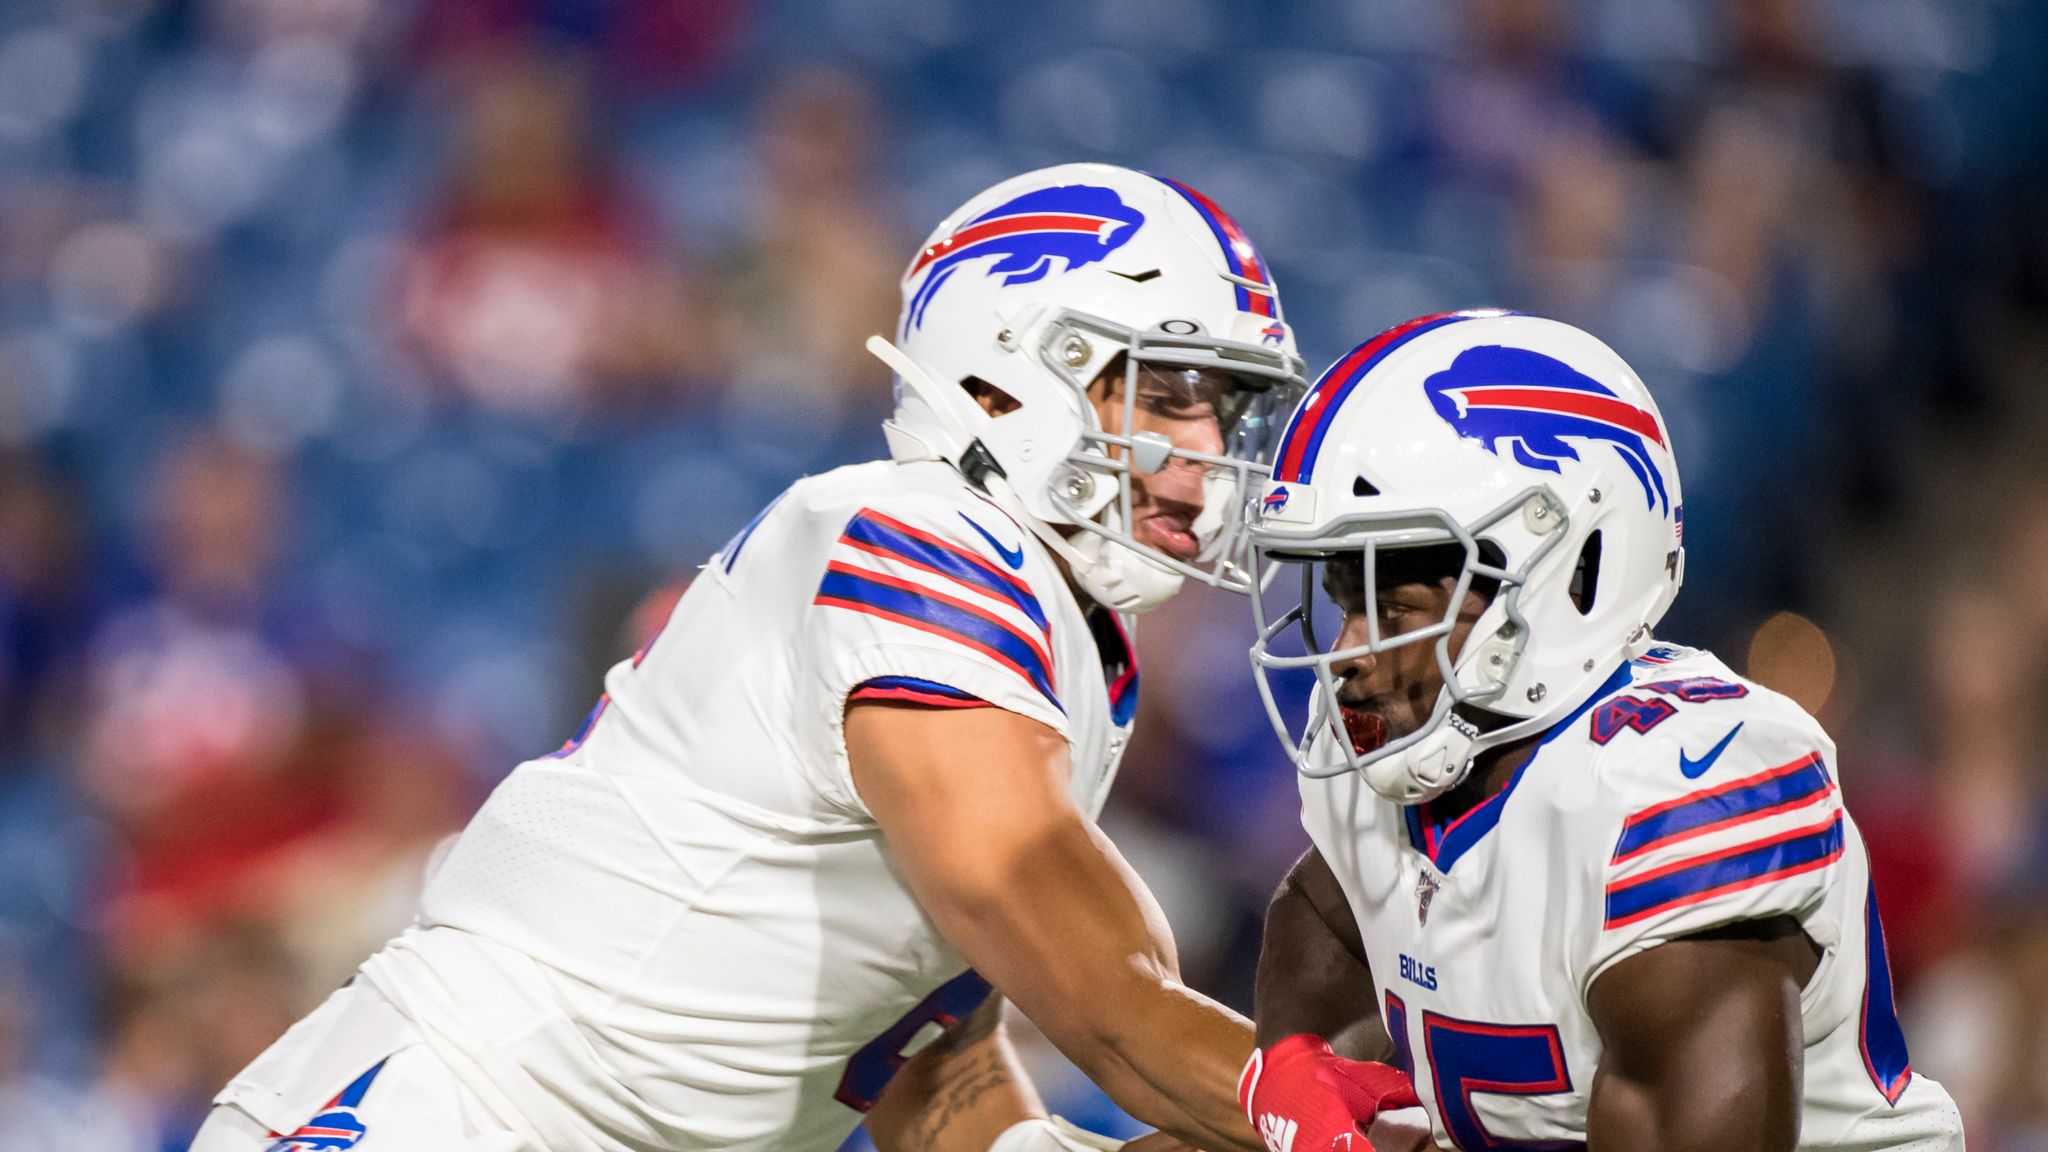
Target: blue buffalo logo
[
  {"x": 1274, "y": 501},
  {"x": 1061, "y": 228},
  {"x": 1533, "y": 404},
  {"x": 334, "y": 1130}
]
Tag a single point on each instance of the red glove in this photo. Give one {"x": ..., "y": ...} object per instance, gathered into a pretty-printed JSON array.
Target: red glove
[{"x": 1303, "y": 1097}]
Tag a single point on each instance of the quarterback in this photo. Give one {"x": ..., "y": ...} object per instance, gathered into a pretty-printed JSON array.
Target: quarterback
[
  {"x": 766, "y": 891},
  {"x": 1587, "y": 888}
]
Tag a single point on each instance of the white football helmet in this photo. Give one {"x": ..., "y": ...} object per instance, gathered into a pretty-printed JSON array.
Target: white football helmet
[
  {"x": 1033, "y": 288},
  {"x": 1526, "y": 443}
]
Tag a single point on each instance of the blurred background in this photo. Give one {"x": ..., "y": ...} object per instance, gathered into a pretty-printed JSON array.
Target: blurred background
[{"x": 373, "y": 373}]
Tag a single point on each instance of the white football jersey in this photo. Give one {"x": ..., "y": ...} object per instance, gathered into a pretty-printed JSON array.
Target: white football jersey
[
  {"x": 684, "y": 930},
  {"x": 1680, "y": 798}
]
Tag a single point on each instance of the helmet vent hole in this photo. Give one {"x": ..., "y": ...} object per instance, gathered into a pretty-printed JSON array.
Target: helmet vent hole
[
  {"x": 1137, "y": 277},
  {"x": 992, "y": 399},
  {"x": 1364, "y": 487},
  {"x": 1586, "y": 577}
]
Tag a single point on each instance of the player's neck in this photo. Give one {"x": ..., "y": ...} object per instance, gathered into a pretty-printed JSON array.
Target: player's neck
[{"x": 1495, "y": 768}]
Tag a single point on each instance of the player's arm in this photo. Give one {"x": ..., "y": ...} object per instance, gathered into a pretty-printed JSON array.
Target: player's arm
[
  {"x": 967, "y": 1092},
  {"x": 975, "y": 808},
  {"x": 959, "y": 1093},
  {"x": 1703, "y": 1042},
  {"x": 1312, "y": 975},
  {"x": 1314, "y": 982}
]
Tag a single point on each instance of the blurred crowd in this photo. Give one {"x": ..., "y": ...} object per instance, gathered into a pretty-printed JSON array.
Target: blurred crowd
[{"x": 373, "y": 373}]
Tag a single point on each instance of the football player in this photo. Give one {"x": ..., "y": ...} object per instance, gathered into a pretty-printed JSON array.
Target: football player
[
  {"x": 866, "y": 752},
  {"x": 1588, "y": 888}
]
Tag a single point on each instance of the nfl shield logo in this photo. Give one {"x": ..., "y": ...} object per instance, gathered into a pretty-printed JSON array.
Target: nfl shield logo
[{"x": 1426, "y": 885}]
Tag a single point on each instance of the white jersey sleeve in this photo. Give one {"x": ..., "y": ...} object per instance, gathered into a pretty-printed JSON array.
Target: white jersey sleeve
[
  {"x": 933, "y": 604},
  {"x": 1727, "y": 811}
]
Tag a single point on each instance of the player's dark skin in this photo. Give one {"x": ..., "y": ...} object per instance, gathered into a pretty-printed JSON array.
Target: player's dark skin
[{"x": 1702, "y": 1035}]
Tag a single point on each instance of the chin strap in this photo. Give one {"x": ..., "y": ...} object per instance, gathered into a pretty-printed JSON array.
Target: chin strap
[
  {"x": 1111, "y": 574},
  {"x": 1116, "y": 577},
  {"x": 1440, "y": 762},
  {"x": 1430, "y": 767}
]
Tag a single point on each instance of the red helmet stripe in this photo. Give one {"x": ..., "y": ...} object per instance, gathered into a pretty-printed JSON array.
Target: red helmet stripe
[
  {"x": 1008, "y": 226},
  {"x": 1238, "y": 251},
  {"x": 1305, "y": 432},
  {"x": 1605, "y": 409}
]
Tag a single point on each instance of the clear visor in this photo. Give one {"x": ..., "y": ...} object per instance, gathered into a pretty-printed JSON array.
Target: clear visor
[
  {"x": 1187, "y": 400},
  {"x": 1246, "y": 409},
  {"x": 1351, "y": 572}
]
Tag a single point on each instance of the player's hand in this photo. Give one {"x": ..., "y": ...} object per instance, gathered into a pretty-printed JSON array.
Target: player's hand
[{"x": 1303, "y": 1097}]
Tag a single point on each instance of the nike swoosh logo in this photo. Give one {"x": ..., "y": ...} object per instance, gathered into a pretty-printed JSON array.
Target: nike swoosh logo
[
  {"x": 1014, "y": 557},
  {"x": 1692, "y": 769}
]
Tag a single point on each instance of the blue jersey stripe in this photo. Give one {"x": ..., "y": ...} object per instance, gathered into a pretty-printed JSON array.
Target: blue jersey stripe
[
  {"x": 1883, "y": 1041},
  {"x": 985, "y": 634},
  {"x": 952, "y": 564},
  {"x": 1628, "y": 903},
  {"x": 732, "y": 548},
  {"x": 352, "y": 1096},
  {"x": 1807, "y": 778},
  {"x": 914, "y": 684}
]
